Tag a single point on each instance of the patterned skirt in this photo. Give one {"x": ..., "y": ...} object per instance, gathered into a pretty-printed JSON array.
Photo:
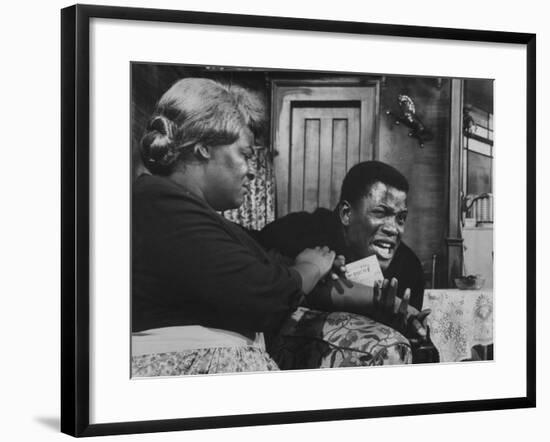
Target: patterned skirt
[{"x": 203, "y": 361}]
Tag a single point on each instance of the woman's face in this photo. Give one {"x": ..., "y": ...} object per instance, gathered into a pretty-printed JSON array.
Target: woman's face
[{"x": 228, "y": 172}]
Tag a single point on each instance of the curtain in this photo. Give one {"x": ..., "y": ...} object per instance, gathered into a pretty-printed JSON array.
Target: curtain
[{"x": 258, "y": 208}]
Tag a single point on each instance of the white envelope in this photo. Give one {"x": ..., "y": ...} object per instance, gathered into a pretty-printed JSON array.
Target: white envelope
[{"x": 365, "y": 271}]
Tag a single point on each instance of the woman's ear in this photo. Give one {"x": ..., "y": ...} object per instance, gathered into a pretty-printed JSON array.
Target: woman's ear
[
  {"x": 344, "y": 212},
  {"x": 202, "y": 151}
]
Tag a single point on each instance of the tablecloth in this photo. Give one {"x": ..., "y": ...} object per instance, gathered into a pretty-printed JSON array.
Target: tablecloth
[{"x": 460, "y": 320}]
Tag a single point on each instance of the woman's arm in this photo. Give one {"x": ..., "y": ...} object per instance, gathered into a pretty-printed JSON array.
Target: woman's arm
[{"x": 312, "y": 265}]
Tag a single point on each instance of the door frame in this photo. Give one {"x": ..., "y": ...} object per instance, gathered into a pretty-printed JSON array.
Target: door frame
[{"x": 285, "y": 91}]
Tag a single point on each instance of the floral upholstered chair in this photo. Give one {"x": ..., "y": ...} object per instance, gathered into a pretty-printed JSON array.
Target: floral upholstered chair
[{"x": 316, "y": 339}]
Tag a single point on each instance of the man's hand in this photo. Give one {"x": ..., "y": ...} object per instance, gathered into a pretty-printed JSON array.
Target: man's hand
[
  {"x": 338, "y": 274},
  {"x": 338, "y": 267},
  {"x": 397, "y": 313}
]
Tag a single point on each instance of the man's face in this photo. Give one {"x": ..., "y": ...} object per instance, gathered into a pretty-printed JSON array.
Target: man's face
[{"x": 377, "y": 222}]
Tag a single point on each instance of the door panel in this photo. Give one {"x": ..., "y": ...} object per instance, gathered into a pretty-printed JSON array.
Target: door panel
[
  {"x": 319, "y": 133},
  {"x": 312, "y": 137},
  {"x": 320, "y": 147},
  {"x": 296, "y": 164}
]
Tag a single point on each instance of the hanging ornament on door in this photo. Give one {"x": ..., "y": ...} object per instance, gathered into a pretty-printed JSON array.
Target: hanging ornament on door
[{"x": 407, "y": 117}]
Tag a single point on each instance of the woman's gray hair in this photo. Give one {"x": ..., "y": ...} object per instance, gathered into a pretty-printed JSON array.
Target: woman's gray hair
[{"x": 197, "y": 110}]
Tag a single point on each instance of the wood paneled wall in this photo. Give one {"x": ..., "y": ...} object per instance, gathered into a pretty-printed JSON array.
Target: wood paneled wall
[{"x": 425, "y": 168}]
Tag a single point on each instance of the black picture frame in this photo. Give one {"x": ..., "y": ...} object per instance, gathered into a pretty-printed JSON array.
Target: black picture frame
[{"x": 75, "y": 211}]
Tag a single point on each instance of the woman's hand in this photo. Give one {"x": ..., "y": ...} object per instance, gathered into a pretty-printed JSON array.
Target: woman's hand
[
  {"x": 397, "y": 313},
  {"x": 321, "y": 257}
]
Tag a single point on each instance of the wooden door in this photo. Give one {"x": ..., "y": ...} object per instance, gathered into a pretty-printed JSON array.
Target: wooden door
[{"x": 320, "y": 132}]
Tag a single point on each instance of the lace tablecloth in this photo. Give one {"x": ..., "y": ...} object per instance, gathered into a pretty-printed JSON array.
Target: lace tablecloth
[{"x": 460, "y": 319}]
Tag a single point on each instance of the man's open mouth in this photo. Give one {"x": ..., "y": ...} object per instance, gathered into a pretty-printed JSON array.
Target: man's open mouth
[{"x": 383, "y": 249}]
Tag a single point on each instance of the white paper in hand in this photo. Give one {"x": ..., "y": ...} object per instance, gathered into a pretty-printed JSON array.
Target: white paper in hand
[{"x": 366, "y": 271}]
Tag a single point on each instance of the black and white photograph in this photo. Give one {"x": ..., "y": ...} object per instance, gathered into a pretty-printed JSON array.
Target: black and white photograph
[{"x": 296, "y": 220}]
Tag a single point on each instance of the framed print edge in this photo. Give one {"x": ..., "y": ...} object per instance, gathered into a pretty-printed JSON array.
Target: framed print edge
[
  {"x": 297, "y": 417},
  {"x": 531, "y": 219},
  {"x": 75, "y": 195},
  {"x": 75, "y": 218},
  {"x": 68, "y": 244}
]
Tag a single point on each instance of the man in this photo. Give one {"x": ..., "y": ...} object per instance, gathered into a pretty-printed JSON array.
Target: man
[{"x": 369, "y": 220}]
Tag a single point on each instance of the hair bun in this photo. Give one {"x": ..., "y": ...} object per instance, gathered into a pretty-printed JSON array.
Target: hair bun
[
  {"x": 162, "y": 125},
  {"x": 158, "y": 147}
]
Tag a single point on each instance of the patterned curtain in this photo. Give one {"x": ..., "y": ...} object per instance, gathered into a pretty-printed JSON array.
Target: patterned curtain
[{"x": 258, "y": 208}]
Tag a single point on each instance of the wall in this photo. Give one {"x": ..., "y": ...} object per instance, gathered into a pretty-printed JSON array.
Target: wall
[
  {"x": 30, "y": 227},
  {"x": 426, "y": 167}
]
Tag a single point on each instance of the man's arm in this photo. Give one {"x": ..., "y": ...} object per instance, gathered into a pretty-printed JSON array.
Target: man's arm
[
  {"x": 379, "y": 303},
  {"x": 407, "y": 268},
  {"x": 417, "y": 288},
  {"x": 415, "y": 280},
  {"x": 288, "y": 235}
]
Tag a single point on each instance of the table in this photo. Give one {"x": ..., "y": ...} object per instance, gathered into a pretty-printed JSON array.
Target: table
[{"x": 460, "y": 320}]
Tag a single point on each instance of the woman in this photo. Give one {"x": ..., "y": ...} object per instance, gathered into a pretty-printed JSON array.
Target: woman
[{"x": 203, "y": 289}]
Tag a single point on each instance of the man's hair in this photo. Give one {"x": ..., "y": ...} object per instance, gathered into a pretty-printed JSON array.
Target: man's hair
[{"x": 362, "y": 176}]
